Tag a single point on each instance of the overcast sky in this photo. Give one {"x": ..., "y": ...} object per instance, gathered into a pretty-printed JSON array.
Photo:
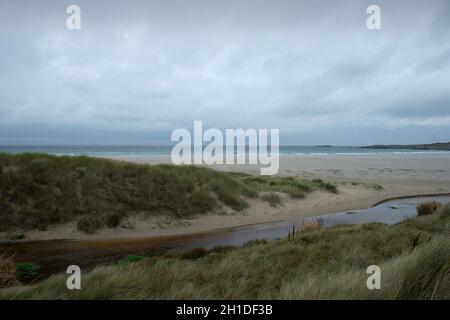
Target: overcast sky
[{"x": 139, "y": 69}]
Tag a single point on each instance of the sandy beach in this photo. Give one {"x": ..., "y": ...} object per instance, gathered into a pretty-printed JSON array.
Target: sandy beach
[
  {"x": 355, "y": 176},
  {"x": 360, "y": 167}
]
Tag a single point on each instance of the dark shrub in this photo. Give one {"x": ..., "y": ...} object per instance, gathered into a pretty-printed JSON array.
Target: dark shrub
[
  {"x": 302, "y": 186},
  {"x": 203, "y": 201},
  {"x": 296, "y": 193},
  {"x": 222, "y": 249},
  {"x": 251, "y": 193},
  {"x": 15, "y": 236},
  {"x": 113, "y": 220},
  {"x": 233, "y": 201},
  {"x": 195, "y": 253},
  {"x": 255, "y": 242},
  {"x": 330, "y": 187},
  {"x": 427, "y": 208},
  {"x": 325, "y": 185},
  {"x": 255, "y": 180},
  {"x": 27, "y": 271},
  {"x": 377, "y": 187},
  {"x": 89, "y": 224}
]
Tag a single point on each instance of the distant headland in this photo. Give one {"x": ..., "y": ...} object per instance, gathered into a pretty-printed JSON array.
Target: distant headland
[{"x": 431, "y": 146}]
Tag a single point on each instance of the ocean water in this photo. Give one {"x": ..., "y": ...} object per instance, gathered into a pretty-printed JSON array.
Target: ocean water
[{"x": 141, "y": 150}]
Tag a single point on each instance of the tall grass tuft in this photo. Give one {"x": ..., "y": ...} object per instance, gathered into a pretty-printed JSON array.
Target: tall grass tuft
[
  {"x": 7, "y": 272},
  {"x": 272, "y": 198},
  {"x": 427, "y": 208}
]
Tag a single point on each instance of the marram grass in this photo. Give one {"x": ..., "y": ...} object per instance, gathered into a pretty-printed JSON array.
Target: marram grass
[
  {"x": 414, "y": 257},
  {"x": 38, "y": 190}
]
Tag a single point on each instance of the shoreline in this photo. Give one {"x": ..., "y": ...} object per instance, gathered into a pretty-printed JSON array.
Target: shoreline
[
  {"x": 415, "y": 196},
  {"x": 368, "y": 167}
]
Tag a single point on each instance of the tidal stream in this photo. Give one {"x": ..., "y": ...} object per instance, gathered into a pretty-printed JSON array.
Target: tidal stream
[{"x": 55, "y": 255}]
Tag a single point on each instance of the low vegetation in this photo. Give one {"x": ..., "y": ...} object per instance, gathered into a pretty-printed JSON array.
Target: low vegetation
[
  {"x": 375, "y": 186},
  {"x": 431, "y": 146},
  {"x": 289, "y": 185},
  {"x": 38, "y": 190},
  {"x": 129, "y": 259},
  {"x": 318, "y": 263},
  {"x": 427, "y": 208},
  {"x": 272, "y": 198},
  {"x": 27, "y": 271},
  {"x": 7, "y": 272}
]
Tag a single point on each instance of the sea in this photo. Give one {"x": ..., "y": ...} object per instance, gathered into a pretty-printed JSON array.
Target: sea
[{"x": 149, "y": 150}]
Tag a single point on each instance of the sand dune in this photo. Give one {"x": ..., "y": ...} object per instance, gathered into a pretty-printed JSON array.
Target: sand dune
[{"x": 355, "y": 176}]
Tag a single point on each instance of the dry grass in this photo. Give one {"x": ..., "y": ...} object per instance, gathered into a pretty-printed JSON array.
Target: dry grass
[
  {"x": 320, "y": 263},
  {"x": 308, "y": 225},
  {"x": 38, "y": 190},
  {"x": 7, "y": 272},
  {"x": 427, "y": 208}
]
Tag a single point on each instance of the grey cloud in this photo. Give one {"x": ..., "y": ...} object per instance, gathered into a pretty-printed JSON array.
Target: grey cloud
[{"x": 139, "y": 69}]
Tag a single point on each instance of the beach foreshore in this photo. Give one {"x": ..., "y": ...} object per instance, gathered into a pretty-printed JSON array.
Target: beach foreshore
[
  {"x": 360, "y": 167},
  {"x": 357, "y": 177}
]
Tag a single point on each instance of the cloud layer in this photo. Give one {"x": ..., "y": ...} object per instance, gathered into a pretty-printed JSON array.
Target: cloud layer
[{"x": 139, "y": 69}]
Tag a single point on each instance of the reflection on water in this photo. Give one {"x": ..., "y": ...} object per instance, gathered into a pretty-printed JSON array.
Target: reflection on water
[
  {"x": 55, "y": 256},
  {"x": 389, "y": 212}
]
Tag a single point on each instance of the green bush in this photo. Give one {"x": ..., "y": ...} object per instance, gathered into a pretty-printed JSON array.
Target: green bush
[
  {"x": 296, "y": 193},
  {"x": 233, "y": 201},
  {"x": 129, "y": 259},
  {"x": 272, "y": 198},
  {"x": 303, "y": 186},
  {"x": 377, "y": 187},
  {"x": 330, "y": 187},
  {"x": 27, "y": 270}
]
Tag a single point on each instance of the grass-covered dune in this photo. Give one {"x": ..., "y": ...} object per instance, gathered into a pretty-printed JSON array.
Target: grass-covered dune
[
  {"x": 38, "y": 190},
  {"x": 431, "y": 146},
  {"x": 414, "y": 257}
]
